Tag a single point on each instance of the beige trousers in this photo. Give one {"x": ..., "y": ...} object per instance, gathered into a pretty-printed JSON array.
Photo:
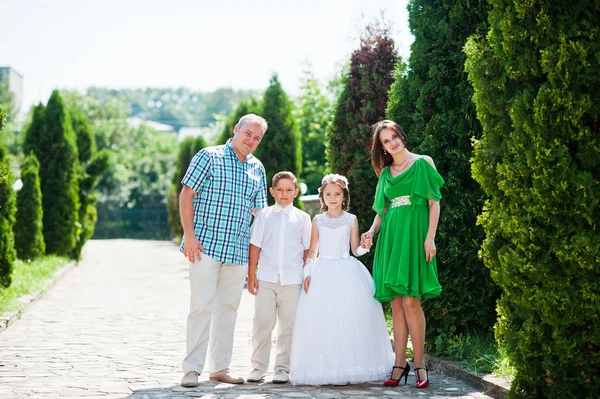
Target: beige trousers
[
  {"x": 216, "y": 290},
  {"x": 274, "y": 301}
]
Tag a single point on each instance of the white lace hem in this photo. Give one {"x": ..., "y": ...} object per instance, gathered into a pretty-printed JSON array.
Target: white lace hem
[{"x": 354, "y": 375}]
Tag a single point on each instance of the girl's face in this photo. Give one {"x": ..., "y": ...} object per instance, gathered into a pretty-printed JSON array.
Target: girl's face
[
  {"x": 391, "y": 141},
  {"x": 333, "y": 196}
]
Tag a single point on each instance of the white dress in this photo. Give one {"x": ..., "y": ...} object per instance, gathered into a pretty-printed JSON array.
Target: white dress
[{"x": 340, "y": 334}]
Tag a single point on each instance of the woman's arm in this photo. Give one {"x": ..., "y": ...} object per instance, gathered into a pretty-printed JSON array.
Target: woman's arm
[{"x": 434, "y": 217}]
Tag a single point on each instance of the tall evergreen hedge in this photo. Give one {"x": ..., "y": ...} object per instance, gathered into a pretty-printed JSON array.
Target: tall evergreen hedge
[
  {"x": 29, "y": 238},
  {"x": 361, "y": 103},
  {"x": 91, "y": 165},
  {"x": 281, "y": 148},
  {"x": 187, "y": 149},
  {"x": 431, "y": 100},
  {"x": 52, "y": 140},
  {"x": 7, "y": 213},
  {"x": 536, "y": 76}
]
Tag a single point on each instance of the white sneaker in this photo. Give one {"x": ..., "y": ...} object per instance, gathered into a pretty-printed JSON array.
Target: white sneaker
[
  {"x": 255, "y": 376},
  {"x": 281, "y": 377},
  {"x": 190, "y": 379}
]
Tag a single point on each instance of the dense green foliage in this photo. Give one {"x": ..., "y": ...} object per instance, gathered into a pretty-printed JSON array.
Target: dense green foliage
[
  {"x": 362, "y": 102},
  {"x": 314, "y": 115},
  {"x": 7, "y": 213},
  {"x": 252, "y": 105},
  {"x": 91, "y": 165},
  {"x": 176, "y": 107},
  {"x": 29, "y": 237},
  {"x": 187, "y": 149},
  {"x": 51, "y": 139},
  {"x": 536, "y": 76},
  {"x": 431, "y": 100},
  {"x": 281, "y": 148}
]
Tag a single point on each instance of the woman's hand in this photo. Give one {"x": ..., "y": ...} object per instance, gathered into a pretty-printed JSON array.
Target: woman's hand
[
  {"x": 306, "y": 284},
  {"x": 430, "y": 250},
  {"x": 366, "y": 239}
]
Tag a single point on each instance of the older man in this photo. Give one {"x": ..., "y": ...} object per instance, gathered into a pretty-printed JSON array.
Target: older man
[{"x": 222, "y": 188}]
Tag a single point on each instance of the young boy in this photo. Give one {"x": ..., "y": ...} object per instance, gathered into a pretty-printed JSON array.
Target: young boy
[{"x": 278, "y": 246}]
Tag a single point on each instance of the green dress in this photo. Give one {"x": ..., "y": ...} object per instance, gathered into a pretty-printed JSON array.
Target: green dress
[{"x": 400, "y": 267}]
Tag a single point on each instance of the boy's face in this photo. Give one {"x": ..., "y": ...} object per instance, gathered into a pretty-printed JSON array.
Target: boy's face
[{"x": 284, "y": 192}]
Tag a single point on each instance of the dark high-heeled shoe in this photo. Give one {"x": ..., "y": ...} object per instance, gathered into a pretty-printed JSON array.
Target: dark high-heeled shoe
[
  {"x": 392, "y": 382},
  {"x": 419, "y": 382}
]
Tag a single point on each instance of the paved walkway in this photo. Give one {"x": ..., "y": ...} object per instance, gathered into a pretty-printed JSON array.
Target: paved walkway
[{"x": 114, "y": 327}]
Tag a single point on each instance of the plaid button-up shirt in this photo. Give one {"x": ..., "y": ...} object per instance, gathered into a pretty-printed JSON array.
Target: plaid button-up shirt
[{"x": 226, "y": 191}]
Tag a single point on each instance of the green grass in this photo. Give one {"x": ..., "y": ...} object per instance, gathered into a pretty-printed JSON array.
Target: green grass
[{"x": 27, "y": 278}]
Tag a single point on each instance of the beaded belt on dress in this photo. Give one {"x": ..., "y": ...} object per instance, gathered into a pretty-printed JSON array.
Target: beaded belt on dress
[{"x": 400, "y": 201}]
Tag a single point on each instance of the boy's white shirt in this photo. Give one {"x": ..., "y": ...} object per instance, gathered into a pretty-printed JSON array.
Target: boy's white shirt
[{"x": 283, "y": 234}]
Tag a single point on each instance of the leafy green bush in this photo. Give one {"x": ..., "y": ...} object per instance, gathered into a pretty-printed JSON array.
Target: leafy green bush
[
  {"x": 29, "y": 237},
  {"x": 536, "y": 76}
]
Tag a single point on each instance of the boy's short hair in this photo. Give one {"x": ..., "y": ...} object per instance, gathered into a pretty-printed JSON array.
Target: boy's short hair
[{"x": 284, "y": 175}]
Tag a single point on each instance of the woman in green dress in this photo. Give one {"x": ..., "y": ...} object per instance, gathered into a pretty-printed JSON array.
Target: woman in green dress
[{"x": 404, "y": 270}]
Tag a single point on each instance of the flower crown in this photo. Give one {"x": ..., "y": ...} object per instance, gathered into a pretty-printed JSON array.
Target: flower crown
[{"x": 332, "y": 177}]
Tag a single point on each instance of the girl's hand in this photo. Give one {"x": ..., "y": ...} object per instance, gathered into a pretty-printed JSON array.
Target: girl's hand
[
  {"x": 366, "y": 239},
  {"x": 430, "y": 250},
  {"x": 306, "y": 284}
]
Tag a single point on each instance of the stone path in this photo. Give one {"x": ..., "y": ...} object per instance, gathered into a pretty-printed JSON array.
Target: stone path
[{"x": 114, "y": 327}]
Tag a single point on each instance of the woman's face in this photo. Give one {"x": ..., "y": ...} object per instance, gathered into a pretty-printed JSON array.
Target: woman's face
[{"x": 391, "y": 141}]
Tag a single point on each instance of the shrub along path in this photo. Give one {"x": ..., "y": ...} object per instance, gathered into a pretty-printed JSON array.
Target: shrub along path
[{"x": 114, "y": 327}]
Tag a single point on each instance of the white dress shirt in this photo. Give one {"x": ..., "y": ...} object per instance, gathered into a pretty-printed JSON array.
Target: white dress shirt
[{"x": 282, "y": 234}]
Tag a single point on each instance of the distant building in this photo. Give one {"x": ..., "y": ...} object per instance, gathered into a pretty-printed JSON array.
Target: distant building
[
  {"x": 15, "y": 85},
  {"x": 159, "y": 127}
]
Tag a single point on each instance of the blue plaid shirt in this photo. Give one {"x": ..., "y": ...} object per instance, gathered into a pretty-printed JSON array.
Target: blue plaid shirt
[{"x": 226, "y": 191}]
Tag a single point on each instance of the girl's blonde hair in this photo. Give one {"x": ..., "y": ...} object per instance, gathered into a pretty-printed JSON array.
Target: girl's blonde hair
[{"x": 338, "y": 180}]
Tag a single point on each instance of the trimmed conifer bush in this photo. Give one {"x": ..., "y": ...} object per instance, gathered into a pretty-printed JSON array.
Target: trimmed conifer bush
[
  {"x": 431, "y": 100},
  {"x": 7, "y": 213},
  {"x": 361, "y": 103},
  {"x": 537, "y": 92},
  {"x": 281, "y": 148},
  {"x": 29, "y": 237}
]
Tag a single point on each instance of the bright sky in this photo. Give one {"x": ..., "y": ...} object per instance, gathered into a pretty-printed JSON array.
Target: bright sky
[{"x": 200, "y": 44}]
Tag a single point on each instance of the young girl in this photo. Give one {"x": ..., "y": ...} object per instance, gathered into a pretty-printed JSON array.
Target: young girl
[{"x": 340, "y": 335}]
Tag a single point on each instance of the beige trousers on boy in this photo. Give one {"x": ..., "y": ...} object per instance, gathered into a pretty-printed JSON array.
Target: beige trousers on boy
[
  {"x": 273, "y": 301},
  {"x": 216, "y": 290}
]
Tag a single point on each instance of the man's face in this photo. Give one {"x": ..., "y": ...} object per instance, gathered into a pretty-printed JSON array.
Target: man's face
[{"x": 246, "y": 138}]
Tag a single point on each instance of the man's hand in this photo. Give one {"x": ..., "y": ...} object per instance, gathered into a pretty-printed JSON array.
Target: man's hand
[
  {"x": 306, "y": 284},
  {"x": 192, "y": 248},
  {"x": 252, "y": 284}
]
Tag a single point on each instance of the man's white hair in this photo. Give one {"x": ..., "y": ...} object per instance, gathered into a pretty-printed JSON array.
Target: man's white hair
[{"x": 253, "y": 118}]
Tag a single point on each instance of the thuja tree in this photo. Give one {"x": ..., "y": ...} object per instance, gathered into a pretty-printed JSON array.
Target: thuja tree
[
  {"x": 361, "y": 103},
  {"x": 431, "y": 100},
  {"x": 52, "y": 140},
  {"x": 281, "y": 148},
  {"x": 187, "y": 149},
  {"x": 536, "y": 76},
  {"x": 314, "y": 115},
  {"x": 252, "y": 105},
  {"x": 7, "y": 213},
  {"x": 90, "y": 166},
  {"x": 29, "y": 238}
]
